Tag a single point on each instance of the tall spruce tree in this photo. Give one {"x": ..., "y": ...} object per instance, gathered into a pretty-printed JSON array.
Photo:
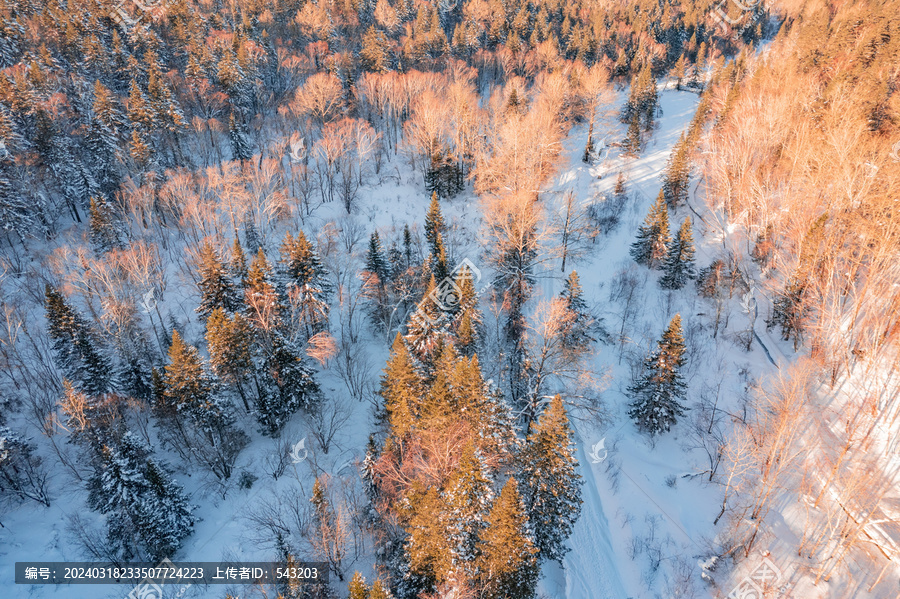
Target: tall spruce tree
[
  {"x": 357, "y": 588},
  {"x": 132, "y": 378},
  {"x": 658, "y": 395},
  {"x": 291, "y": 385},
  {"x": 17, "y": 213},
  {"x": 188, "y": 398},
  {"x": 551, "y": 485},
  {"x": 651, "y": 245},
  {"x": 676, "y": 181},
  {"x": 441, "y": 265},
  {"x": 633, "y": 135},
  {"x": 468, "y": 496},
  {"x": 229, "y": 340},
  {"x": 643, "y": 100},
  {"x": 427, "y": 547},
  {"x": 435, "y": 226},
  {"x": 301, "y": 263},
  {"x": 379, "y": 591},
  {"x": 427, "y": 328},
  {"x": 149, "y": 515},
  {"x": 215, "y": 285},
  {"x": 619, "y": 190},
  {"x": 467, "y": 321},
  {"x": 407, "y": 245},
  {"x": 581, "y": 328},
  {"x": 508, "y": 563},
  {"x": 104, "y": 138},
  {"x": 140, "y": 114},
  {"x": 400, "y": 388},
  {"x": 106, "y": 230},
  {"x": 263, "y": 303},
  {"x": 240, "y": 143},
  {"x": 307, "y": 282},
  {"x": 679, "y": 266},
  {"x": 237, "y": 262},
  {"x": 74, "y": 348},
  {"x": 376, "y": 262}
]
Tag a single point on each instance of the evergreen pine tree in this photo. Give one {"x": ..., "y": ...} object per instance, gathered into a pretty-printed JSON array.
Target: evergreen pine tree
[
  {"x": 229, "y": 341},
  {"x": 251, "y": 235},
  {"x": 468, "y": 320},
  {"x": 149, "y": 514},
  {"x": 373, "y": 56},
  {"x": 395, "y": 262},
  {"x": 659, "y": 393},
  {"x": 468, "y": 496},
  {"x": 133, "y": 378},
  {"x": 103, "y": 137},
  {"x": 379, "y": 591},
  {"x": 260, "y": 295},
  {"x": 407, "y": 245},
  {"x": 187, "y": 388},
  {"x": 376, "y": 278},
  {"x": 400, "y": 386},
  {"x": 139, "y": 151},
  {"x": 427, "y": 548},
  {"x": 73, "y": 346},
  {"x": 106, "y": 231},
  {"x": 619, "y": 190},
  {"x": 678, "y": 173},
  {"x": 679, "y": 266},
  {"x": 439, "y": 401},
  {"x": 139, "y": 111},
  {"x": 237, "y": 262},
  {"x": 376, "y": 263},
  {"x": 649, "y": 104},
  {"x": 434, "y": 226},
  {"x": 508, "y": 564},
  {"x": 551, "y": 486},
  {"x": 17, "y": 213},
  {"x": 427, "y": 328},
  {"x": 580, "y": 326},
  {"x": 168, "y": 112},
  {"x": 240, "y": 143},
  {"x": 164, "y": 514},
  {"x": 442, "y": 268},
  {"x": 301, "y": 262},
  {"x": 324, "y": 521},
  {"x": 215, "y": 286},
  {"x": 651, "y": 245},
  {"x": 306, "y": 276},
  {"x": 358, "y": 588},
  {"x": 291, "y": 385},
  {"x": 633, "y": 136}
]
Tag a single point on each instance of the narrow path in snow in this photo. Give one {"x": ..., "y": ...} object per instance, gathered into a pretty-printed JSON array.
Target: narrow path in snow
[{"x": 597, "y": 567}]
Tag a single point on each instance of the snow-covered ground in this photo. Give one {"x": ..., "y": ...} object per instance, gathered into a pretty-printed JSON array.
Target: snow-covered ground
[{"x": 647, "y": 518}]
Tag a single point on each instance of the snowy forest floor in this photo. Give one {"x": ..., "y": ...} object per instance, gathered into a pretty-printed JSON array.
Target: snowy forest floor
[{"x": 647, "y": 518}]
